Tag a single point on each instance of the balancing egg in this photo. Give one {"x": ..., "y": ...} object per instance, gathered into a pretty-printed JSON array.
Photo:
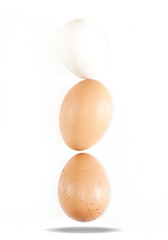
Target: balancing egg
[
  {"x": 85, "y": 114},
  {"x": 83, "y": 188},
  {"x": 83, "y": 48}
]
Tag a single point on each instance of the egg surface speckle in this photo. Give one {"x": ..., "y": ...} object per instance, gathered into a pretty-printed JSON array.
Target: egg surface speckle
[
  {"x": 83, "y": 188},
  {"x": 85, "y": 114}
]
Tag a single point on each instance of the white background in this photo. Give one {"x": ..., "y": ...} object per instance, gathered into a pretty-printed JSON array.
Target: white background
[{"x": 134, "y": 150}]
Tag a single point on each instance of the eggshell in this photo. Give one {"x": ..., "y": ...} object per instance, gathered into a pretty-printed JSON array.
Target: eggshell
[
  {"x": 85, "y": 114},
  {"x": 83, "y": 188},
  {"x": 83, "y": 48}
]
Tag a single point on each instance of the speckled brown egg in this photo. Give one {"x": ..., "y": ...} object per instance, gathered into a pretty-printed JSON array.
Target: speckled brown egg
[
  {"x": 83, "y": 188},
  {"x": 85, "y": 114}
]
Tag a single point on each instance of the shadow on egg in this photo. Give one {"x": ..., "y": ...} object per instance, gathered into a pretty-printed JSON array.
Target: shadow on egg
[{"x": 84, "y": 229}]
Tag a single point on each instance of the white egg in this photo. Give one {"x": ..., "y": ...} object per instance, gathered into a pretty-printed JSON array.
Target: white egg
[{"x": 83, "y": 48}]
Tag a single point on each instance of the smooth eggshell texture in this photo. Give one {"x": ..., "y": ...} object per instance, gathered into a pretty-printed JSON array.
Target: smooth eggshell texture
[
  {"x": 85, "y": 114},
  {"x": 83, "y": 48},
  {"x": 83, "y": 188}
]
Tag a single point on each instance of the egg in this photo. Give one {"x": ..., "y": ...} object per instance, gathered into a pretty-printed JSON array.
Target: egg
[
  {"x": 85, "y": 114},
  {"x": 83, "y": 188},
  {"x": 83, "y": 48}
]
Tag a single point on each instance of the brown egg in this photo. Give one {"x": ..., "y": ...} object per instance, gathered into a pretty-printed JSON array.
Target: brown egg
[
  {"x": 85, "y": 114},
  {"x": 83, "y": 188}
]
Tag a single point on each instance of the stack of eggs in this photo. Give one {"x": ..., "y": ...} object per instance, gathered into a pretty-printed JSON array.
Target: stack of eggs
[{"x": 85, "y": 114}]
